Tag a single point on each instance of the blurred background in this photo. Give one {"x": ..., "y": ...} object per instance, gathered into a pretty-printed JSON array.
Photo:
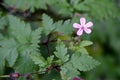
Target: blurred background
[{"x": 105, "y": 15}]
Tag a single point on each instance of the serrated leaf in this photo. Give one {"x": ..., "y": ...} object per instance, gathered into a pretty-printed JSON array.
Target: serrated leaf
[
  {"x": 50, "y": 60},
  {"x": 63, "y": 7},
  {"x": 27, "y": 43},
  {"x": 85, "y": 43},
  {"x": 3, "y": 22},
  {"x": 78, "y": 49},
  {"x": 27, "y": 4},
  {"x": 22, "y": 32},
  {"x": 83, "y": 62},
  {"x": 24, "y": 64},
  {"x": 42, "y": 4},
  {"x": 35, "y": 37},
  {"x": 81, "y": 7},
  {"x": 12, "y": 57},
  {"x": 104, "y": 6},
  {"x": 47, "y": 23},
  {"x": 68, "y": 71},
  {"x": 22, "y": 4},
  {"x": 9, "y": 50},
  {"x": 38, "y": 59},
  {"x": 82, "y": 50},
  {"x": 61, "y": 52},
  {"x": 19, "y": 29},
  {"x": 65, "y": 28}
]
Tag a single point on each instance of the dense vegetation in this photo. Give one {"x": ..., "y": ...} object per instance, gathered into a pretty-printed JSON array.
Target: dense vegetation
[{"x": 38, "y": 41}]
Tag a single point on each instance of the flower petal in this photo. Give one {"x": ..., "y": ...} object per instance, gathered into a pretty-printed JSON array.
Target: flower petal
[
  {"x": 88, "y": 31},
  {"x": 89, "y": 24},
  {"x": 79, "y": 32},
  {"x": 82, "y": 21},
  {"x": 76, "y": 25}
]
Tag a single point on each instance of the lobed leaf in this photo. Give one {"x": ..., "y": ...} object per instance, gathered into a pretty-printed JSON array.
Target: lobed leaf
[
  {"x": 68, "y": 71},
  {"x": 83, "y": 62},
  {"x": 47, "y": 23},
  {"x": 85, "y": 43},
  {"x": 61, "y": 52},
  {"x": 16, "y": 49},
  {"x": 8, "y": 51},
  {"x": 38, "y": 59}
]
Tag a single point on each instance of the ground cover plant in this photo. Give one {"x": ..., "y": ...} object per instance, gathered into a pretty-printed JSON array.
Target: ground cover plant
[{"x": 57, "y": 39}]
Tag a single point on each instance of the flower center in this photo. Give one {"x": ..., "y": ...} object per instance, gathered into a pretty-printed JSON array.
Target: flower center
[{"x": 82, "y": 27}]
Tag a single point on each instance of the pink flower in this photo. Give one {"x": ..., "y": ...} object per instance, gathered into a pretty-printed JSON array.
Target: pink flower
[{"x": 83, "y": 27}]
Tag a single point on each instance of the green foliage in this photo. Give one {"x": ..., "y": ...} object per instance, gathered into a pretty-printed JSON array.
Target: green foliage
[
  {"x": 39, "y": 60},
  {"x": 81, "y": 47},
  {"x": 10, "y": 52},
  {"x": 78, "y": 61},
  {"x": 68, "y": 71},
  {"x": 83, "y": 62},
  {"x": 67, "y": 8},
  {"x": 3, "y": 22},
  {"x": 24, "y": 64},
  {"x": 17, "y": 45},
  {"x": 47, "y": 24},
  {"x": 59, "y": 27},
  {"x": 23, "y": 34},
  {"x": 64, "y": 27},
  {"x": 38, "y": 35},
  {"x": 85, "y": 43},
  {"x": 24, "y": 5},
  {"x": 61, "y": 52}
]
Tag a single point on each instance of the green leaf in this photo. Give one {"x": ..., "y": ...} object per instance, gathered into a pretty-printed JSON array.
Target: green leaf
[
  {"x": 47, "y": 23},
  {"x": 65, "y": 28},
  {"x": 38, "y": 59},
  {"x": 42, "y": 4},
  {"x": 80, "y": 6},
  {"x": 9, "y": 51},
  {"x": 27, "y": 43},
  {"x": 78, "y": 49},
  {"x": 85, "y": 43},
  {"x": 12, "y": 57},
  {"x": 18, "y": 29},
  {"x": 3, "y": 22},
  {"x": 82, "y": 50},
  {"x": 18, "y": 4},
  {"x": 63, "y": 7},
  {"x": 25, "y": 64},
  {"x": 21, "y": 31},
  {"x": 68, "y": 71},
  {"x": 50, "y": 60},
  {"x": 21, "y": 5},
  {"x": 35, "y": 37},
  {"x": 104, "y": 6},
  {"x": 27, "y": 4},
  {"x": 83, "y": 62},
  {"x": 61, "y": 52}
]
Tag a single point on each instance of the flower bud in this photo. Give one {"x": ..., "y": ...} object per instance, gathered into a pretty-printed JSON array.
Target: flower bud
[{"x": 14, "y": 75}]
